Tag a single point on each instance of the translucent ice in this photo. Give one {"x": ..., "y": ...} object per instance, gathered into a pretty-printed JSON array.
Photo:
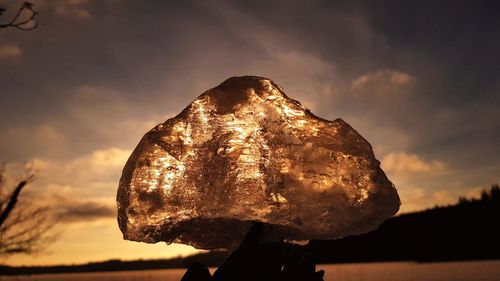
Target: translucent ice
[{"x": 242, "y": 152}]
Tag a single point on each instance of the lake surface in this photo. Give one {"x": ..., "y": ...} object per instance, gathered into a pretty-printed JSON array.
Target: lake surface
[{"x": 393, "y": 271}]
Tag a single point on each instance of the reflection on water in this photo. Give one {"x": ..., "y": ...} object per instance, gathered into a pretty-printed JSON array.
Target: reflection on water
[
  {"x": 403, "y": 271},
  {"x": 395, "y": 271},
  {"x": 137, "y": 275}
]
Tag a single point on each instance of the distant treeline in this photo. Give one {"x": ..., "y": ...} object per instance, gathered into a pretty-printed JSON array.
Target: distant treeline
[
  {"x": 211, "y": 258},
  {"x": 468, "y": 230}
]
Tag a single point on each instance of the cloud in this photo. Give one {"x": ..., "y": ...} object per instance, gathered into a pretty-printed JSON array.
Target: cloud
[
  {"x": 475, "y": 192},
  {"x": 64, "y": 201},
  {"x": 307, "y": 78},
  {"x": 73, "y": 9},
  {"x": 9, "y": 51},
  {"x": 40, "y": 138},
  {"x": 98, "y": 168},
  {"x": 99, "y": 160},
  {"x": 416, "y": 198},
  {"x": 382, "y": 78},
  {"x": 84, "y": 119},
  {"x": 82, "y": 189},
  {"x": 75, "y": 210},
  {"x": 409, "y": 162}
]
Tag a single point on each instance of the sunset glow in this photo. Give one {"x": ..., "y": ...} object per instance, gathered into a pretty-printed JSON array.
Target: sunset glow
[{"x": 78, "y": 93}]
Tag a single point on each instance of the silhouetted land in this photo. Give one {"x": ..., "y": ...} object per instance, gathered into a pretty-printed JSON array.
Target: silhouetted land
[
  {"x": 468, "y": 230},
  {"x": 210, "y": 258}
]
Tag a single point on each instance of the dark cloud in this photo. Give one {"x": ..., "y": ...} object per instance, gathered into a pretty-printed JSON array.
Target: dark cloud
[{"x": 71, "y": 210}]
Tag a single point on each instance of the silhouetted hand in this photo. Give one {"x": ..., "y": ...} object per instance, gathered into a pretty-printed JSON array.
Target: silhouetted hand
[
  {"x": 254, "y": 260},
  {"x": 197, "y": 271}
]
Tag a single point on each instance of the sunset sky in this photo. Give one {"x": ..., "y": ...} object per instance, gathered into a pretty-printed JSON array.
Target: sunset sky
[{"x": 418, "y": 79}]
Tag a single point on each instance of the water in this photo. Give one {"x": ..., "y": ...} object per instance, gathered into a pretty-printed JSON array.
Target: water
[
  {"x": 404, "y": 271},
  {"x": 394, "y": 271}
]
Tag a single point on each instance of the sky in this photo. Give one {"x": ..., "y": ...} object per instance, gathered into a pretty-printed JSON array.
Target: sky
[{"x": 418, "y": 79}]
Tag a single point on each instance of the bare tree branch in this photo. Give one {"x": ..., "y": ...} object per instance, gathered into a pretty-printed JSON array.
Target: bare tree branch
[
  {"x": 12, "y": 202},
  {"x": 25, "y": 23},
  {"x": 25, "y": 227}
]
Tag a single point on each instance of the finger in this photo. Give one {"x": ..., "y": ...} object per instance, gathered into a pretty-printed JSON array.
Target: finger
[
  {"x": 197, "y": 272},
  {"x": 318, "y": 276},
  {"x": 253, "y": 236}
]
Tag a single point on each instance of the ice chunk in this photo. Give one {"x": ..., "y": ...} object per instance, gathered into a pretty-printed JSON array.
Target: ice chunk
[{"x": 243, "y": 152}]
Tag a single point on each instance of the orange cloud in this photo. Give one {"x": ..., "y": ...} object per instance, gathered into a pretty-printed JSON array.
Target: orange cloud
[
  {"x": 73, "y": 9},
  {"x": 8, "y": 51},
  {"x": 409, "y": 162},
  {"x": 382, "y": 78}
]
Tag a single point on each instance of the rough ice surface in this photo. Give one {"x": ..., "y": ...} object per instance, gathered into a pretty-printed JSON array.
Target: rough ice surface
[{"x": 243, "y": 152}]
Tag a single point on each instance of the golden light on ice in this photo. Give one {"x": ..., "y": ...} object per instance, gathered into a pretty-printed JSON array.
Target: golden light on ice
[{"x": 244, "y": 152}]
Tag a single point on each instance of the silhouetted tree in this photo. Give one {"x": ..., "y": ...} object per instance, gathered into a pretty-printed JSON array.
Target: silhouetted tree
[
  {"x": 492, "y": 195},
  {"x": 495, "y": 192},
  {"x": 464, "y": 231},
  {"x": 24, "y": 227},
  {"x": 24, "y": 18}
]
